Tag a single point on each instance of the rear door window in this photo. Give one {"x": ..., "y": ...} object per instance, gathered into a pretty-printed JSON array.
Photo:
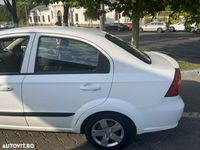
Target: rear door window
[{"x": 62, "y": 55}]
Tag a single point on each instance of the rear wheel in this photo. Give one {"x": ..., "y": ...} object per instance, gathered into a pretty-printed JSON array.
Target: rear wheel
[
  {"x": 159, "y": 30},
  {"x": 172, "y": 29},
  {"x": 141, "y": 30},
  {"x": 109, "y": 130},
  {"x": 119, "y": 29}
]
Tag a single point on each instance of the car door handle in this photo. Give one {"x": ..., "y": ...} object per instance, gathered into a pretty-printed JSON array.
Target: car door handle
[
  {"x": 5, "y": 89},
  {"x": 90, "y": 87}
]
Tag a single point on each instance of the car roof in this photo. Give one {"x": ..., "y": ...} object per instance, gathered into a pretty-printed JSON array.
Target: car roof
[
  {"x": 74, "y": 31},
  {"x": 158, "y": 22}
]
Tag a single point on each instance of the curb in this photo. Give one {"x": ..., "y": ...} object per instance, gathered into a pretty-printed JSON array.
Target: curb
[{"x": 190, "y": 73}]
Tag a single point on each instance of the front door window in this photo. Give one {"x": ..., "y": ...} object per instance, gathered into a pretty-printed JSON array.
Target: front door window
[{"x": 12, "y": 52}]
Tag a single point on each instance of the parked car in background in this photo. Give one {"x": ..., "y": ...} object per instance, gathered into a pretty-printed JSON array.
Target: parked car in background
[
  {"x": 196, "y": 30},
  {"x": 6, "y": 26},
  {"x": 130, "y": 26},
  {"x": 84, "y": 81},
  {"x": 9, "y": 26},
  {"x": 177, "y": 27},
  {"x": 2, "y": 26},
  {"x": 116, "y": 27},
  {"x": 154, "y": 26}
]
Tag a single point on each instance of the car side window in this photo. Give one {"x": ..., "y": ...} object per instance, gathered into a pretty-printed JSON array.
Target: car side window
[
  {"x": 152, "y": 24},
  {"x": 12, "y": 52},
  {"x": 62, "y": 55}
]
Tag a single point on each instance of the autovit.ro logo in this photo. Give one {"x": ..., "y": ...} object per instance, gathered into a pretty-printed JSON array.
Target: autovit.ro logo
[{"x": 17, "y": 146}]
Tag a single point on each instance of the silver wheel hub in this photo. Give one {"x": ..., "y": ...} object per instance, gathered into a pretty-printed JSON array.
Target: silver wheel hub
[{"x": 107, "y": 132}]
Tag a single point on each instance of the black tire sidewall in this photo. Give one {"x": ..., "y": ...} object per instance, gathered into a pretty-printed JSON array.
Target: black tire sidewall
[
  {"x": 129, "y": 132},
  {"x": 159, "y": 30}
]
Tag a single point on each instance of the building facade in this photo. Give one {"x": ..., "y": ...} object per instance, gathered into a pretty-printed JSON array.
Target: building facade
[
  {"x": 53, "y": 13},
  {"x": 46, "y": 15}
]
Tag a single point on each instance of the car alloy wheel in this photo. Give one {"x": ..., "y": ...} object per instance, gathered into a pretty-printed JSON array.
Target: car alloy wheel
[
  {"x": 159, "y": 30},
  {"x": 107, "y": 132}
]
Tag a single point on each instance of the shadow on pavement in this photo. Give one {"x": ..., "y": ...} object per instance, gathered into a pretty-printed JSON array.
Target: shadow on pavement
[{"x": 190, "y": 92}]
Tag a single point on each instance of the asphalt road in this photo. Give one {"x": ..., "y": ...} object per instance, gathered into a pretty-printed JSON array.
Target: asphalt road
[{"x": 180, "y": 45}]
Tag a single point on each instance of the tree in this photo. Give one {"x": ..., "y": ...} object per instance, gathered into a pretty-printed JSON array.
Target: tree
[
  {"x": 23, "y": 8},
  {"x": 189, "y": 9},
  {"x": 93, "y": 9},
  {"x": 136, "y": 9},
  {"x": 5, "y": 15},
  {"x": 11, "y": 6}
]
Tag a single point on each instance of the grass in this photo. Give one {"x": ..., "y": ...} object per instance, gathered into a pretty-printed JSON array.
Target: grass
[{"x": 188, "y": 66}]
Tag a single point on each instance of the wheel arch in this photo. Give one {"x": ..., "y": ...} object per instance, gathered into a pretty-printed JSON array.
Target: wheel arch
[
  {"x": 106, "y": 112},
  {"x": 112, "y": 106}
]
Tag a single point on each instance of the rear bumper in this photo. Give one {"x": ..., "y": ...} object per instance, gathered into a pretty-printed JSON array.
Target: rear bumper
[{"x": 162, "y": 116}]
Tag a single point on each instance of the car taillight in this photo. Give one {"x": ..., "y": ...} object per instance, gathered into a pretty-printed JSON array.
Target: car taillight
[{"x": 175, "y": 86}]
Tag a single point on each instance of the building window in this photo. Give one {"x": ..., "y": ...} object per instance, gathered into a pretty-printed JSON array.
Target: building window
[
  {"x": 43, "y": 18},
  {"x": 30, "y": 18},
  {"x": 49, "y": 18},
  {"x": 38, "y": 18},
  {"x": 117, "y": 16},
  {"x": 52, "y": 14},
  {"x": 35, "y": 19},
  {"x": 76, "y": 17},
  {"x": 86, "y": 18}
]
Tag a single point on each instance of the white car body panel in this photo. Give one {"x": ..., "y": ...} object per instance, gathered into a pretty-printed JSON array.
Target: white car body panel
[
  {"x": 133, "y": 87},
  {"x": 68, "y": 91},
  {"x": 154, "y": 26},
  {"x": 178, "y": 27},
  {"x": 10, "y": 89}
]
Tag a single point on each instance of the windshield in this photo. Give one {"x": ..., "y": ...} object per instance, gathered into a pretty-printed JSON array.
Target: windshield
[{"x": 126, "y": 46}]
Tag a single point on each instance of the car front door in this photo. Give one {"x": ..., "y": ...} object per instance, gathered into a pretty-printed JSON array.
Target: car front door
[
  {"x": 148, "y": 27},
  {"x": 13, "y": 50},
  {"x": 66, "y": 74}
]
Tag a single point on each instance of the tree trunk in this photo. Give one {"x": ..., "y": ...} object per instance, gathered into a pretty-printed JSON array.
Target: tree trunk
[
  {"x": 66, "y": 15},
  {"x": 13, "y": 11},
  {"x": 135, "y": 31},
  {"x": 136, "y": 22},
  {"x": 102, "y": 18}
]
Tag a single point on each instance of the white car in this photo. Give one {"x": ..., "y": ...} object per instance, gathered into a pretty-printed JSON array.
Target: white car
[
  {"x": 177, "y": 27},
  {"x": 84, "y": 81},
  {"x": 154, "y": 26}
]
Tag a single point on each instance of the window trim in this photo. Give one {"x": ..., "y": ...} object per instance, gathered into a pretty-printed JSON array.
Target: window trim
[
  {"x": 28, "y": 36},
  {"x": 68, "y": 72}
]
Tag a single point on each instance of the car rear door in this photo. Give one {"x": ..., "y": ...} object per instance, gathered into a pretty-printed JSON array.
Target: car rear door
[
  {"x": 14, "y": 53},
  {"x": 65, "y": 74}
]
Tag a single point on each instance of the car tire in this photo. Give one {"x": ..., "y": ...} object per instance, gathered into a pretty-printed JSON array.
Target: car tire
[
  {"x": 118, "y": 29},
  {"x": 98, "y": 130},
  {"x": 159, "y": 30},
  {"x": 198, "y": 31},
  {"x": 172, "y": 29},
  {"x": 141, "y": 30}
]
